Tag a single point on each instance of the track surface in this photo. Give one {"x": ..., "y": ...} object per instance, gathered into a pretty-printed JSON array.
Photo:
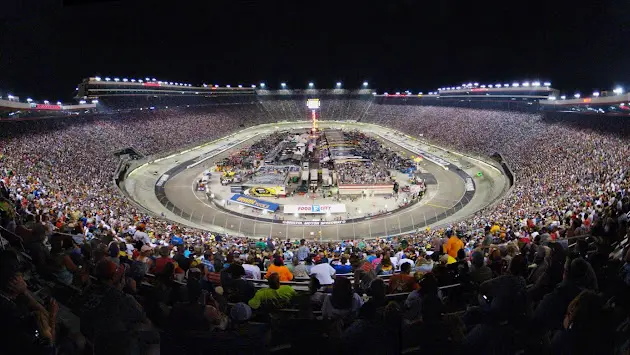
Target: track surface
[{"x": 443, "y": 203}]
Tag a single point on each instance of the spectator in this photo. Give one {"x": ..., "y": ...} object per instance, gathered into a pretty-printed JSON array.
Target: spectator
[
  {"x": 278, "y": 268},
  {"x": 27, "y": 327},
  {"x": 324, "y": 272},
  {"x": 110, "y": 318},
  {"x": 273, "y": 297},
  {"x": 479, "y": 272},
  {"x": 343, "y": 302},
  {"x": 402, "y": 282},
  {"x": 252, "y": 271}
]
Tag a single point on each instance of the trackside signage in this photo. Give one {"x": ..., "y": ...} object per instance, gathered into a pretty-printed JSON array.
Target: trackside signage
[
  {"x": 312, "y": 209},
  {"x": 254, "y": 202}
]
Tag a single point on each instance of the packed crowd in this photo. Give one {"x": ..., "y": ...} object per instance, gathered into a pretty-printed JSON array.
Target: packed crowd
[
  {"x": 570, "y": 185},
  {"x": 331, "y": 109}
]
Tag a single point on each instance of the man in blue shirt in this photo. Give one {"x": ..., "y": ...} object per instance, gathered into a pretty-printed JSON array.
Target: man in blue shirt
[{"x": 343, "y": 268}]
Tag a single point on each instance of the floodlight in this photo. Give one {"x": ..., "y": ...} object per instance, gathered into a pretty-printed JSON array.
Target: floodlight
[
  {"x": 82, "y": 102},
  {"x": 515, "y": 85},
  {"x": 58, "y": 103},
  {"x": 397, "y": 92},
  {"x": 552, "y": 98},
  {"x": 240, "y": 86},
  {"x": 577, "y": 95},
  {"x": 98, "y": 78},
  {"x": 107, "y": 79},
  {"x": 310, "y": 85},
  {"x": 29, "y": 100},
  {"x": 94, "y": 101},
  {"x": 547, "y": 84},
  {"x": 283, "y": 84},
  {"x": 125, "y": 80},
  {"x": 338, "y": 84},
  {"x": 483, "y": 86},
  {"x": 526, "y": 84},
  {"x": 618, "y": 90},
  {"x": 228, "y": 86},
  {"x": 262, "y": 85},
  {"x": 476, "y": 84},
  {"x": 253, "y": 86},
  {"x": 116, "y": 79},
  {"x": 365, "y": 83},
  {"x": 536, "y": 83},
  {"x": 596, "y": 94},
  {"x": 46, "y": 102},
  {"x": 563, "y": 97}
]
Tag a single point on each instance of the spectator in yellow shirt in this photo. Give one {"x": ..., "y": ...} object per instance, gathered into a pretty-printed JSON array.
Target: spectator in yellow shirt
[
  {"x": 274, "y": 296},
  {"x": 453, "y": 244}
]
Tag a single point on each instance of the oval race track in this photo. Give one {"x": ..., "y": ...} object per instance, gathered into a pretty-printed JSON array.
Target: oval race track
[{"x": 166, "y": 187}]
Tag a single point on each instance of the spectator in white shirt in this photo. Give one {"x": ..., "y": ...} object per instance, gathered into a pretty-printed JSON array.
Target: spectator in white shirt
[
  {"x": 140, "y": 235},
  {"x": 323, "y": 271},
  {"x": 252, "y": 271}
]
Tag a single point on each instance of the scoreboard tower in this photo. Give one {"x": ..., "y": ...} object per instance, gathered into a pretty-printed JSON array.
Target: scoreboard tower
[{"x": 313, "y": 105}]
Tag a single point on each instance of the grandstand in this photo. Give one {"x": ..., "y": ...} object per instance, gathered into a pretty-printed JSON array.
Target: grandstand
[{"x": 500, "y": 281}]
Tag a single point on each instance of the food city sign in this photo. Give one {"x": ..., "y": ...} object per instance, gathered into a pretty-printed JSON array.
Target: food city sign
[{"x": 315, "y": 209}]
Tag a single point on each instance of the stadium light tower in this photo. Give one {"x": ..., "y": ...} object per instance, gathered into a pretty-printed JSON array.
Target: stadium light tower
[
  {"x": 536, "y": 83},
  {"x": 618, "y": 90},
  {"x": 476, "y": 84},
  {"x": 515, "y": 85},
  {"x": 283, "y": 85},
  {"x": 29, "y": 100},
  {"x": 125, "y": 80},
  {"x": 58, "y": 103},
  {"x": 116, "y": 79},
  {"x": 577, "y": 95},
  {"x": 46, "y": 102},
  {"x": 253, "y": 86},
  {"x": 310, "y": 85},
  {"x": 228, "y": 86},
  {"x": 547, "y": 84},
  {"x": 108, "y": 79},
  {"x": 563, "y": 97},
  {"x": 526, "y": 84},
  {"x": 262, "y": 85},
  {"x": 240, "y": 86},
  {"x": 595, "y": 93},
  {"x": 365, "y": 84},
  {"x": 339, "y": 84},
  {"x": 98, "y": 78}
]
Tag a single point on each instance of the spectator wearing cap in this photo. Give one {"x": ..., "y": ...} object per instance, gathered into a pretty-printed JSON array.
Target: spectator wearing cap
[
  {"x": 278, "y": 268},
  {"x": 274, "y": 296}
]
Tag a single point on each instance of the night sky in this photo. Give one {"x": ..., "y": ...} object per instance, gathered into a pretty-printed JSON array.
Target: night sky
[{"x": 47, "y": 47}]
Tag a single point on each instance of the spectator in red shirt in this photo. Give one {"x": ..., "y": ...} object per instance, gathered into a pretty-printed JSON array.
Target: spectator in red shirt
[
  {"x": 402, "y": 282},
  {"x": 162, "y": 260}
]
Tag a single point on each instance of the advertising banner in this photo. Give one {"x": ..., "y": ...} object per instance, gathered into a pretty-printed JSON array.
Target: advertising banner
[
  {"x": 254, "y": 202},
  {"x": 315, "y": 209}
]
